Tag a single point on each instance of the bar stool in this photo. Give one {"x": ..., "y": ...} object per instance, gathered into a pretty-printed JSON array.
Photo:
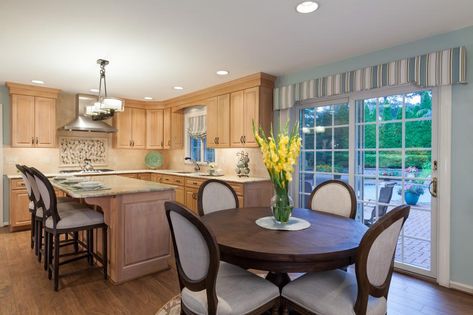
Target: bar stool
[{"x": 72, "y": 220}]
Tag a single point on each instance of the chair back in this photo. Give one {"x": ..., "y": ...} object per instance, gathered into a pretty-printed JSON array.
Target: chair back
[
  {"x": 385, "y": 195},
  {"x": 196, "y": 252},
  {"x": 375, "y": 258},
  {"x": 47, "y": 196},
  {"x": 215, "y": 195},
  {"x": 23, "y": 173},
  {"x": 334, "y": 196}
]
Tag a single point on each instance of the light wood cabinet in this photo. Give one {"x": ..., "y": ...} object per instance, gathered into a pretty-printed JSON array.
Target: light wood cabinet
[
  {"x": 131, "y": 125},
  {"x": 248, "y": 106},
  {"x": 33, "y": 121},
  {"x": 167, "y": 128},
  {"x": 180, "y": 195},
  {"x": 155, "y": 129},
  {"x": 191, "y": 199},
  {"x": 33, "y": 115},
  {"x": 173, "y": 129},
  {"x": 218, "y": 122}
]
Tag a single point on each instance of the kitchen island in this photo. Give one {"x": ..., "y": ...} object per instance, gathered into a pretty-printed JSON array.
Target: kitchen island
[{"x": 138, "y": 232}]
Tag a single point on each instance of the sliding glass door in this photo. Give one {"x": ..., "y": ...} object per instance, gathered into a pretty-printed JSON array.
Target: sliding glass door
[{"x": 385, "y": 147}]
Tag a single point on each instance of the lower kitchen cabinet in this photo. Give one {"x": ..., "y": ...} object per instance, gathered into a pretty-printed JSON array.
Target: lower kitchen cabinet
[{"x": 191, "y": 199}]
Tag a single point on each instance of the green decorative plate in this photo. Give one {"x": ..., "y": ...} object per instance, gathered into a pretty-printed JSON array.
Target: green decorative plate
[{"x": 154, "y": 159}]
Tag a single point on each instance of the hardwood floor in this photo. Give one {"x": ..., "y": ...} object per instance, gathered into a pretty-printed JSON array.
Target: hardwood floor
[{"x": 25, "y": 289}]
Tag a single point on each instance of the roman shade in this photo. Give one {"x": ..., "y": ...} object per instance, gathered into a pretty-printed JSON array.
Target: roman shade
[
  {"x": 197, "y": 126},
  {"x": 445, "y": 67}
]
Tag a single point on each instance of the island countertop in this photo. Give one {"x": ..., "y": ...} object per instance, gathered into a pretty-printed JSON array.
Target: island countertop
[{"x": 115, "y": 185}]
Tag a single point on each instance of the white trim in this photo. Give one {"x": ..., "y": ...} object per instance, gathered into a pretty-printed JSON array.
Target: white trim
[
  {"x": 444, "y": 189},
  {"x": 461, "y": 287}
]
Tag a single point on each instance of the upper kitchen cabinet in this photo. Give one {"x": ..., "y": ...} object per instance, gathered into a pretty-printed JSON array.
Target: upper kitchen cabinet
[
  {"x": 252, "y": 104},
  {"x": 173, "y": 129},
  {"x": 218, "y": 121},
  {"x": 33, "y": 116},
  {"x": 131, "y": 125},
  {"x": 155, "y": 129}
]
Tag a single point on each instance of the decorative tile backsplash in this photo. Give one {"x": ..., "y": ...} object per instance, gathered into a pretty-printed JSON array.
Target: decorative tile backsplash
[{"x": 73, "y": 151}]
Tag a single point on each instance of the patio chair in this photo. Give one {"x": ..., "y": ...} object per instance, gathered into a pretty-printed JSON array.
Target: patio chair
[{"x": 385, "y": 195}]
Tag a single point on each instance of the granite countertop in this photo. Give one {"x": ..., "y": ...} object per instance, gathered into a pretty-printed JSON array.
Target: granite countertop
[
  {"x": 115, "y": 185},
  {"x": 227, "y": 178}
]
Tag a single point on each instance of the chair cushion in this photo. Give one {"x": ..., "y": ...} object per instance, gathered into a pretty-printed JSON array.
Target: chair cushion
[
  {"x": 63, "y": 207},
  {"x": 238, "y": 292},
  {"x": 74, "y": 218},
  {"x": 330, "y": 293}
]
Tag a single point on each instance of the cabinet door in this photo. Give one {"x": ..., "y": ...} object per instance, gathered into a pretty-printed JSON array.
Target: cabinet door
[
  {"x": 167, "y": 128},
  {"x": 22, "y": 121},
  {"x": 144, "y": 176},
  {"x": 180, "y": 195},
  {"x": 122, "y": 121},
  {"x": 20, "y": 215},
  {"x": 191, "y": 199},
  {"x": 154, "y": 129},
  {"x": 177, "y": 130},
  {"x": 236, "y": 119},
  {"x": 45, "y": 122},
  {"x": 138, "y": 128},
  {"x": 223, "y": 121},
  {"x": 212, "y": 122},
  {"x": 250, "y": 114}
]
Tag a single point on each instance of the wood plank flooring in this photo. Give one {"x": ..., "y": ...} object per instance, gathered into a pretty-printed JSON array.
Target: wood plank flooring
[{"x": 25, "y": 289}]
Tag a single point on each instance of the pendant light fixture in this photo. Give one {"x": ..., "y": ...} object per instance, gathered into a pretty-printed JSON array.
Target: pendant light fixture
[{"x": 106, "y": 106}]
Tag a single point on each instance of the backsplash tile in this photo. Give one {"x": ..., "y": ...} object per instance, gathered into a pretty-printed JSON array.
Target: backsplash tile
[{"x": 73, "y": 151}]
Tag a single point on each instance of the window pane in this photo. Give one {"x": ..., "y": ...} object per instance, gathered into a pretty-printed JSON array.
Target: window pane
[
  {"x": 308, "y": 161},
  {"x": 418, "y": 163},
  {"x": 368, "y": 111},
  {"x": 390, "y": 107},
  {"x": 323, "y": 116},
  {"x": 390, "y": 135},
  {"x": 366, "y": 162},
  {"x": 341, "y": 138},
  {"x": 324, "y": 162},
  {"x": 419, "y": 104},
  {"x": 323, "y": 138},
  {"x": 340, "y": 161},
  {"x": 390, "y": 162},
  {"x": 419, "y": 134},
  {"x": 341, "y": 114},
  {"x": 308, "y": 117},
  {"x": 308, "y": 138},
  {"x": 367, "y": 137},
  {"x": 195, "y": 148}
]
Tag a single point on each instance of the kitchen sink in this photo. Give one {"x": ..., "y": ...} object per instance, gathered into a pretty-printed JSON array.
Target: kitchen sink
[{"x": 183, "y": 172}]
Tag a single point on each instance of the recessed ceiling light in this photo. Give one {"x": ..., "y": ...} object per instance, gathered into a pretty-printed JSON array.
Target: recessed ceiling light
[
  {"x": 37, "y": 81},
  {"x": 178, "y": 88},
  {"x": 222, "y": 72},
  {"x": 307, "y": 7},
  {"x": 94, "y": 90},
  {"x": 148, "y": 98}
]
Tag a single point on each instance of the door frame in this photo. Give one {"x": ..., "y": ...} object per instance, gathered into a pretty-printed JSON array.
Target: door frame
[{"x": 442, "y": 97}]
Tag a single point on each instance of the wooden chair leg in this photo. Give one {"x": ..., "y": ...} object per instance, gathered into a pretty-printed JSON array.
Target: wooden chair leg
[
  {"x": 51, "y": 249},
  {"x": 76, "y": 241},
  {"x": 56, "y": 262},
  {"x": 90, "y": 247},
  {"x": 40, "y": 238},
  {"x": 36, "y": 222},
  {"x": 33, "y": 228},
  {"x": 104, "y": 252},
  {"x": 46, "y": 250}
]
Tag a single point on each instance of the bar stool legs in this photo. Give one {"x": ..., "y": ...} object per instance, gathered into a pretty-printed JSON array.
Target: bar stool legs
[{"x": 105, "y": 252}]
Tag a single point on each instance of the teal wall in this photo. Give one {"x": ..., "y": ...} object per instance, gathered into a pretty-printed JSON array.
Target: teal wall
[{"x": 462, "y": 140}]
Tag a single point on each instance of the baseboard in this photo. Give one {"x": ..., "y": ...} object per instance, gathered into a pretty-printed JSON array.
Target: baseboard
[{"x": 461, "y": 287}]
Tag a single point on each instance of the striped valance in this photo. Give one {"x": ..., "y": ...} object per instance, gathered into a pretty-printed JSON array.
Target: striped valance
[
  {"x": 197, "y": 126},
  {"x": 443, "y": 67}
]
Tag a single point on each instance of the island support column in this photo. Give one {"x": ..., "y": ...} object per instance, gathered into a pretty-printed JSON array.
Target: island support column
[{"x": 138, "y": 233}]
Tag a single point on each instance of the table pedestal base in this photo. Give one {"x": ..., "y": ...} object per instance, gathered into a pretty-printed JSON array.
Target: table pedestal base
[{"x": 280, "y": 279}]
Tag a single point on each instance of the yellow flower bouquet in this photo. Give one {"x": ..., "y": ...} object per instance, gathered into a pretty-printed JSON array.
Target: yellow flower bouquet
[{"x": 280, "y": 154}]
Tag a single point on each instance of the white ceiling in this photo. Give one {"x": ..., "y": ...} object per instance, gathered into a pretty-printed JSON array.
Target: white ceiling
[{"x": 154, "y": 45}]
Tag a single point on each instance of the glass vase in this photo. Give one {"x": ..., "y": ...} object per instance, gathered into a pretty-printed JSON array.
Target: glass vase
[{"x": 282, "y": 206}]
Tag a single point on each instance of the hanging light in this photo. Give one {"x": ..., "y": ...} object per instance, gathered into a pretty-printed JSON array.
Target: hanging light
[{"x": 106, "y": 106}]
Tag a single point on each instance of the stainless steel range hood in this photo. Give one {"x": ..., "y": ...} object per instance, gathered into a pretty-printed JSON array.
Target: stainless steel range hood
[{"x": 85, "y": 123}]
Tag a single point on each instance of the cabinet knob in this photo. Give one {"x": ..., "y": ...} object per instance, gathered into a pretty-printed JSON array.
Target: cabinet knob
[
  {"x": 241, "y": 139},
  {"x": 37, "y": 140},
  {"x": 162, "y": 144},
  {"x": 32, "y": 140},
  {"x": 218, "y": 140},
  {"x": 215, "y": 140},
  {"x": 194, "y": 196}
]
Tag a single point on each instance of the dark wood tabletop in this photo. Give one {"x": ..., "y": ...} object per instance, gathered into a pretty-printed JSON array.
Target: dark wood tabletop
[{"x": 330, "y": 242}]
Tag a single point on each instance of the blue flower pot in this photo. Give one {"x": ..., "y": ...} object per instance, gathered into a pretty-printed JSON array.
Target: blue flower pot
[{"x": 411, "y": 198}]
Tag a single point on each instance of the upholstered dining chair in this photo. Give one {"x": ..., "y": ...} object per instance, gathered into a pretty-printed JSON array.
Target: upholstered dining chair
[
  {"x": 215, "y": 195},
  {"x": 337, "y": 292},
  {"x": 335, "y": 197},
  {"x": 209, "y": 286},
  {"x": 72, "y": 220}
]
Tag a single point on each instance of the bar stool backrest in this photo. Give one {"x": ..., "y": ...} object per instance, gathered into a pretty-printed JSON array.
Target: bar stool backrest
[{"x": 48, "y": 199}]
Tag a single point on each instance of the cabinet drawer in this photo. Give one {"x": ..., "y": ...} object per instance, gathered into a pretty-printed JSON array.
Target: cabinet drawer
[
  {"x": 194, "y": 182},
  {"x": 17, "y": 184},
  {"x": 172, "y": 180},
  {"x": 238, "y": 188}
]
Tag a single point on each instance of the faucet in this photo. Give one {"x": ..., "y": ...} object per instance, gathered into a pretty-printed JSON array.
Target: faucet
[
  {"x": 196, "y": 166},
  {"x": 87, "y": 166}
]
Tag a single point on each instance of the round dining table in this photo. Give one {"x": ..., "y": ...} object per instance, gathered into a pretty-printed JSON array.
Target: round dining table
[{"x": 330, "y": 242}]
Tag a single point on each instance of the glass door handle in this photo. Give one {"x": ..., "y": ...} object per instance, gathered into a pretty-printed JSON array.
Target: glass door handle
[{"x": 433, "y": 187}]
